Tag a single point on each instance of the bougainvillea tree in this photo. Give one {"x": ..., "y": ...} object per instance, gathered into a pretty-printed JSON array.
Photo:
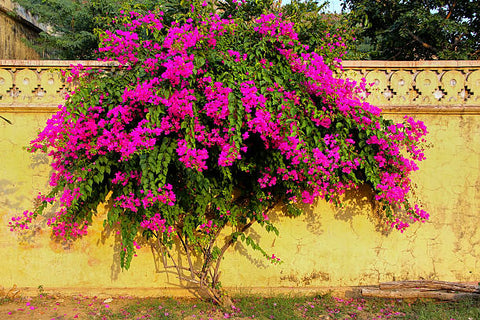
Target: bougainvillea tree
[{"x": 205, "y": 124}]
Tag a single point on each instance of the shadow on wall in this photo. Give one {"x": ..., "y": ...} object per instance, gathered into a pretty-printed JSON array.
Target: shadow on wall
[
  {"x": 40, "y": 160},
  {"x": 355, "y": 202},
  {"x": 10, "y": 197},
  {"x": 14, "y": 200},
  {"x": 107, "y": 233},
  {"x": 259, "y": 261},
  {"x": 361, "y": 201}
]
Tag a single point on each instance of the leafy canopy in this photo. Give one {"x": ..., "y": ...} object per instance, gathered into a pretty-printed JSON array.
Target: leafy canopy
[
  {"x": 415, "y": 30},
  {"x": 207, "y": 121}
]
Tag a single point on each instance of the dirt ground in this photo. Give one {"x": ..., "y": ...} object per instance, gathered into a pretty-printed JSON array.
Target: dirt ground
[
  {"x": 59, "y": 307},
  {"x": 62, "y": 307},
  {"x": 54, "y": 306}
]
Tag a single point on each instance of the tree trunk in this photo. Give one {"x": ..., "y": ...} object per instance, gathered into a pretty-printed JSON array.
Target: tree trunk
[{"x": 220, "y": 297}]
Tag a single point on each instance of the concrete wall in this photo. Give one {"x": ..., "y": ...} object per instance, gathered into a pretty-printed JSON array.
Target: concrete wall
[{"x": 326, "y": 247}]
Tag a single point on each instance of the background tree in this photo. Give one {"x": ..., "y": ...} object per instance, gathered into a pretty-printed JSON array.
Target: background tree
[
  {"x": 414, "y": 30},
  {"x": 321, "y": 30},
  {"x": 73, "y": 25}
]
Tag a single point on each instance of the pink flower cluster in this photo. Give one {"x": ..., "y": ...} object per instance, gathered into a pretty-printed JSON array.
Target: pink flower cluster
[
  {"x": 124, "y": 177},
  {"x": 21, "y": 222},
  {"x": 274, "y": 259},
  {"x": 273, "y": 26},
  {"x": 65, "y": 227},
  {"x": 157, "y": 224},
  {"x": 192, "y": 158},
  {"x": 218, "y": 110},
  {"x": 217, "y": 102},
  {"x": 207, "y": 227},
  {"x": 163, "y": 195},
  {"x": 150, "y": 198},
  {"x": 395, "y": 168}
]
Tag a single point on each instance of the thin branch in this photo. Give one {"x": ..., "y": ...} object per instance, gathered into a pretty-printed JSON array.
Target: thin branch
[
  {"x": 230, "y": 242},
  {"x": 6, "y": 120},
  {"x": 189, "y": 280},
  {"x": 450, "y": 10},
  {"x": 208, "y": 256},
  {"x": 181, "y": 268},
  {"x": 216, "y": 276},
  {"x": 226, "y": 246},
  {"x": 173, "y": 261},
  {"x": 187, "y": 253},
  {"x": 424, "y": 44}
]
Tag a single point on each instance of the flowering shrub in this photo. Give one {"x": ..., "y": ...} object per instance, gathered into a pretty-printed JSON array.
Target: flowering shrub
[{"x": 209, "y": 122}]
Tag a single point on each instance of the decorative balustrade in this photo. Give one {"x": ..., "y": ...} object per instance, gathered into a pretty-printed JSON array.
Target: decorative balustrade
[
  {"x": 418, "y": 87},
  {"x": 35, "y": 85}
]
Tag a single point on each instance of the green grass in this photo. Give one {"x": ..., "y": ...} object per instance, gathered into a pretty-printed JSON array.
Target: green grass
[
  {"x": 292, "y": 308},
  {"x": 4, "y": 300},
  {"x": 423, "y": 310}
]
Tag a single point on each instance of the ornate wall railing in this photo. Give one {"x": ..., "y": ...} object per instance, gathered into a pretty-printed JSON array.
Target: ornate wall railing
[
  {"x": 35, "y": 85},
  {"x": 400, "y": 86},
  {"x": 420, "y": 86}
]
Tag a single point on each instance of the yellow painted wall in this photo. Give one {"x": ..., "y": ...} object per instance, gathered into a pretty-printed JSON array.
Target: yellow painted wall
[{"x": 326, "y": 247}]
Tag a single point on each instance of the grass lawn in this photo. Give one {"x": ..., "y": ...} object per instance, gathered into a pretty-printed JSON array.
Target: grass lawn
[{"x": 249, "y": 307}]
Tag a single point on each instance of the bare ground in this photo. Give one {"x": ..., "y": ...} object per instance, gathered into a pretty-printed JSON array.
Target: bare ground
[{"x": 64, "y": 307}]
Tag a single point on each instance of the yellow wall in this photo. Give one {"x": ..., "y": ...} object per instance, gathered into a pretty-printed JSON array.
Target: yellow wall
[{"x": 326, "y": 247}]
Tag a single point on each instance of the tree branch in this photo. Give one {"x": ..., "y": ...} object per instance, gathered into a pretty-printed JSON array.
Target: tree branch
[
  {"x": 226, "y": 246},
  {"x": 179, "y": 268},
  {"x": 450, "y": 10},
  {"x": 423, "y": 43},
  {"x": 187, "y": 252},
  {"x": 8, "y": 121}
]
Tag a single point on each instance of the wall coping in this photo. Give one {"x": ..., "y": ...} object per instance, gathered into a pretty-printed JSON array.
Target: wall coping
[
  {"x": 383, "y": 64},
  {"x": 345, "y": 63},
  {"x": 54, "y": 63}
]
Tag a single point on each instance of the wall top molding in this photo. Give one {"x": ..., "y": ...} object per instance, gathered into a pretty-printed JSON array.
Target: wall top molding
[
  {"x": 427, "y": 87},
  {"x": 347, "y": 64},
  {"x": 384, "y": 64},
  {"x": 5, "y": 64}
]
